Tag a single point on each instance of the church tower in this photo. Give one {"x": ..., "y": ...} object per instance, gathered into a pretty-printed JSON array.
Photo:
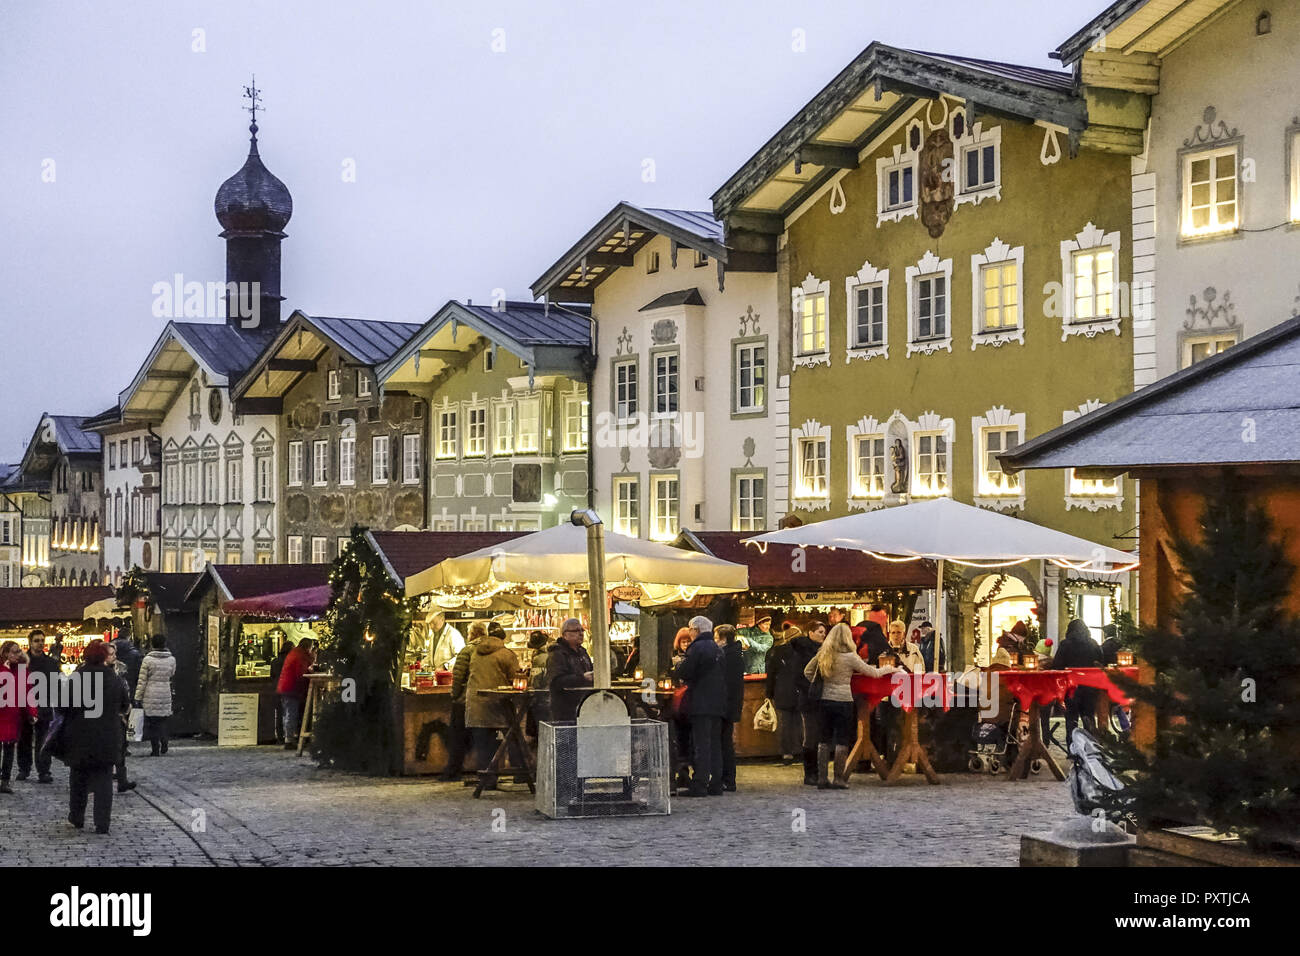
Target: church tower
[{"x": 253, "y": 208}]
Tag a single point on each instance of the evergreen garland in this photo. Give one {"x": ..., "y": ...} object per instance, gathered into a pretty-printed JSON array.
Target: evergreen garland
[
  {"x": 1227, "y": 687},
  {"x": 364, "y": 636}
]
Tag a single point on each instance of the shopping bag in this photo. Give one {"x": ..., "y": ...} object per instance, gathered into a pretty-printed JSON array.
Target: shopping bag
[
  {"x": 765, "y": 716},
  {"x": 54, "y": 744},
  {"x": 135, "y": 725}
]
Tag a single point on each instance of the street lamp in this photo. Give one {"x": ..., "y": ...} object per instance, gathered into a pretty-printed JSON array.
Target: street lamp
[{"x": 587, "y": 518}]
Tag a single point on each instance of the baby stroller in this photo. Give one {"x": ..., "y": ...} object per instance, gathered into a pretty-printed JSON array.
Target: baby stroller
[
  {"x": 997, "y": 743},
  {"x": 1092, "y": 785}
]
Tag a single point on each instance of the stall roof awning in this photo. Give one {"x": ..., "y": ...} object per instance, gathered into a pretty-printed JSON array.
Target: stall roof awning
[
  {"x": 824, "y": 571},
  {"x": 409, "y": 552},
  {"x": 235, "y": 581},
  {"x": 298, "y": 603},
  {"x": 28, "y": 607}
]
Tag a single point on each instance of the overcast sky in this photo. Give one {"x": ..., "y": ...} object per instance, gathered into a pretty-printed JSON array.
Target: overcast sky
[{"x": 474, "y": 169}]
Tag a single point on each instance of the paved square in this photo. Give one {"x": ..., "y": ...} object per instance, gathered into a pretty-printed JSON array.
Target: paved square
[{"x": 202, "y": 806}]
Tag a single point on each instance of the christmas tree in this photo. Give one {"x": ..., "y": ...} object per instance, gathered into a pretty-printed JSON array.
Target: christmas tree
[
  {"x": 1227, "y": 686},
  {"x": 365, "y": 633}
]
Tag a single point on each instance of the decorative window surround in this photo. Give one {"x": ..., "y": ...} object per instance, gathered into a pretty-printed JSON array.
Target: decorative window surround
[
  {"x": 977, "y": 137},
  {"x": 929, "y": 266},
  {"x": 996, "y": 417},
  {"x": 903, "y": 158},
  {"x": 867, "y": 275},
  {"x": 1089, "y": 502},
  {"x": 865, "y": 427},
  {"x": 1210, "y": 327},
  {"x": 929, "y": 424},
  {"x": 997, "y": 253},
  {"x": 1089, "y": 238},
  {"x": 1210, "y": 140},
  {"x": 798, "y": 497},
  {"x": 811, "y": 286}
]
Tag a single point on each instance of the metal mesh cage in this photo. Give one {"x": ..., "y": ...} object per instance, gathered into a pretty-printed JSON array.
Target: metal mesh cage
[{"x": 603, "y": 771}]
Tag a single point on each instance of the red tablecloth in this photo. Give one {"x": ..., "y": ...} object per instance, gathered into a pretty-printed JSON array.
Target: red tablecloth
[
  {"x": 1099, "y": 677},
  {"x": 1040, "y": 687},
  {"x": 905, "y": 690}
]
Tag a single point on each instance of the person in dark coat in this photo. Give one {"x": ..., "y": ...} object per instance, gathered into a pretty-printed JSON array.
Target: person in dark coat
[
  {"x": 733, "y": 672},
  {"x": 1079, "y": 649},
  {"x": 29, "y": 745},
  {"x": 705, "y": 704},
  {"x": 458, "y": 735},
  {"x": 117, "y": 667},
  {"x": 873, "y": 642},
  {"x": 780, "y": 690},
  {"x": 92, "y": 738},
  {"x": 1110, "y": 646},
  {"x": 926, "y": 644},
  {"x": 568, "y": 670},
  {"x": 277, "y": 665},
  {"x": 129, "y": 654},
  {"x": 803, "y": 649}
]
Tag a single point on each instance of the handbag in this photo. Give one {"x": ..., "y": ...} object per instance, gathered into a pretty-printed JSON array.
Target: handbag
[
  {"x": 765, "y": 716},
  {"x": 816, "y": 686}
]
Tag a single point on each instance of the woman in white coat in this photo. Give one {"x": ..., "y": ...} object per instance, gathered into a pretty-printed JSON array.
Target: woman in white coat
[{"x": 153, "y": 692}]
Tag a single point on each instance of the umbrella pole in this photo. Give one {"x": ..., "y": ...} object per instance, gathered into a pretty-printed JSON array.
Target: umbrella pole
[{"x": 940, "y": 613}]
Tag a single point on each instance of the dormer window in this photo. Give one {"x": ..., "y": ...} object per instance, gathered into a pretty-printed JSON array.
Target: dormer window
[{"x": 700, "y": 259}]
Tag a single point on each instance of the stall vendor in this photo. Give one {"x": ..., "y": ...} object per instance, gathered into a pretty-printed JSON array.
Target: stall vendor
[
  {"x": 444, "y": 643},
  {"x": 755, "y": 642}
]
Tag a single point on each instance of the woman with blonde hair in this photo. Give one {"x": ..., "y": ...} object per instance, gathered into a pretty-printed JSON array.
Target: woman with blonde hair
[{"x": 833, "y": 667}]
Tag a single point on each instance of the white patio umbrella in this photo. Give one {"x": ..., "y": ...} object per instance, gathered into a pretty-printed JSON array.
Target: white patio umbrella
[
  {"x": 106, "y": 607},
  {"x": 943, "y": 530},
  {"x": 558, "y": 556}
]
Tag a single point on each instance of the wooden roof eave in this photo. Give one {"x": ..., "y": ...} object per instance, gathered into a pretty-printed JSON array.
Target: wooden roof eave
[
  {"x": 297, "y": 322},
  {"x": 452, "y": 311},
  {"x": 169, "y": 335}
]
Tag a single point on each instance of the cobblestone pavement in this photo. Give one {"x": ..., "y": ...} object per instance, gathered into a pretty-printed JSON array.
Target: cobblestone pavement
[{"x": 201, "y": 805}]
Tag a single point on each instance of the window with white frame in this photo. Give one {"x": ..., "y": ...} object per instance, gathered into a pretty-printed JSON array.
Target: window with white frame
[
  {"x": 473, "y": 523},
  {"x": 651, "y": 262},
  {"x": 1091, "y": 487},
  {"x": 503, "y": 428},
  {"x": 1199, "y": 347},
  {"x": 931, "y": 476},
  {"x": 1091, "y": 493},
  {"x": 489, "y": 359},
  {"x": 1000, "y": 295},
  {"x": 750, "y": 377},
  {"x": 293, "y": 544},
  {"x": 379, "y": 460},
  {"x": 898, "y": 186},
  {"x": 1210, "y": 192},
  {"x": 625, "y": 390},
  {"x": 234, "y": 480},
  {"x": 749, "y": 502},
  {"x": 191, "y": 482},
  {"x": 627, "y": 506},
  {"x": 341, "y": 544},
  {"x": 979, "y": 167},
  {"x": 347, "y": 460},
  {"x": 814, "y": 465},
  {"x": 476, "y": 431},
  {"x": 664, "y": 507},
  {"x": 320, "y": 462},
  {"x": 528, "y": 435},
  {"x": 1094, "y": 284},
  {"x": 868, "y": 466},
  {"x": 1093, "y": 293},
  {"x": 363, "y": 384},
  {"x": 319, "y": 550},
  {"x": 447, "y": 433},
  {"x": 411, "y": 459},
  {"x": 295, "y": 463},
  {"x": 666, "y": 381},
  {"x": 575, "y": 422},
  {"x": 812, "y": 324},
  {"x": 112, "y": 455},
  {"x": 212, "y": 481},
  {"x": 444, "y": 524},
  {"x": 978, "y": 152},
  {"x": 868, "y": 305},
  {"x": 265, "y": 477},
  {"x": 994, "y": 440},
  {"x": 334, "y": 387},
  {"x": 930, "y": 318}
]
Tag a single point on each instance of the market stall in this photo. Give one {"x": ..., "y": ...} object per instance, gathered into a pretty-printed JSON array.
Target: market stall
[
  {"x": 59, "y": 612},
  {"x": 245, "y": 614}
]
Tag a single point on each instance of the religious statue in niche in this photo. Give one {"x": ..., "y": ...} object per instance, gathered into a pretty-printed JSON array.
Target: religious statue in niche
[
  {"x": 938, "y": 175},
  {"x": 898, "y": 455}
]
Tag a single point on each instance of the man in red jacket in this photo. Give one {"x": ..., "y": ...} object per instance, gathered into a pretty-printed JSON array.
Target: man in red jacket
[{"x": 292, "y": 688}]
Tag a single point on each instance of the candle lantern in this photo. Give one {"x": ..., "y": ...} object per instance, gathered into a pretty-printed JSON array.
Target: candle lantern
[
  {"x": 1124, "y": 658},
  {"x": 637, "y": 674},
  {"x": 1029, "y": 662},
  {"x": 520, "y": 683},
  {"x": 888, "y": 660}
]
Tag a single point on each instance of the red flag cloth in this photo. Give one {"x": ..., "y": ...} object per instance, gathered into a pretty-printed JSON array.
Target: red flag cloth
[
  {"x": 1041, "y": 687},
  {"x": 1099, "y": 678}
]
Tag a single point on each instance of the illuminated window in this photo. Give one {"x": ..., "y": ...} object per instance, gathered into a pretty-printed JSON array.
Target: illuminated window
[
  {"x": 1001, "y": 296},
  {"x": 625, "y": 390},
  {"x": 627, "y": 506},
  {"x": 476, "y": 431},
  {"x": 447, "y": 434},
  {"x": 667, "y": 372},
  {"x": 1092, "y": 487},
  {"x": 503, "y": 428},
  {"x": 1210, "y": 192},
  {"x": 931, "y": 478},
  {"x": 749, "y": 502},
  {"x": 812, "y": 323},
  {"x": 813, "y": 466},
  {"x": 575, "y": 423},
  {"x": 294, "y": 546},
  {"x": 319, "y": 548},
  {"x": 869, "y": 466},
  {"x": 335, "y": 385},
  {"x": 664, "y": 508},
  {"x": 1198, "y": 347},
  {"x": 993, "y": 480},
  {"x": 528, "y": 436},
  {"x": 1094, "y": 284}
]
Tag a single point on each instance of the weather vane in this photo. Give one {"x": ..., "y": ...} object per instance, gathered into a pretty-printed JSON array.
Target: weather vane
[{"x": 254, "y": 96}]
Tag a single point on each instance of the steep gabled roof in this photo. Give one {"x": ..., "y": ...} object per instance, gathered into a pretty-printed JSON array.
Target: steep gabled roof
[
  {"x": 863, "y": 102},
  {"x": 409, "y": 552},
  {"x": 616, "y": 238},
  {"x": 57, "y": 435},
  {"x": 1241, "y": 406},
  {"x": 304, "y": 339},
  {"x": 548, "y": 339}
]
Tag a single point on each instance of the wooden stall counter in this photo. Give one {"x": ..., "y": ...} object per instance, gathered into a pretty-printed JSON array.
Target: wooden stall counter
[{"x": 751, "y": 742}]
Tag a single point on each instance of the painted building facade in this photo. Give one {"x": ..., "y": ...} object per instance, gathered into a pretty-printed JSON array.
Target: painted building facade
[
  {"x": 953, "y": 283},
  {"x": 131, "y": 466},
  {"x": 508, "y": 413},
  {"x": 349, "y": 453},
  {"x": 1216, "y": 187},
  {"x": 689, "y": 426},
  {"x": 11, "y": 532},
  {"x": 61, "y": 465}
]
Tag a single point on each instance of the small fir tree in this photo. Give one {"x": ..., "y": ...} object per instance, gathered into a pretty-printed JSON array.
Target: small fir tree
[
  {"x": 1227, "y": 687},
  {"x": 364, "y": 638}
]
